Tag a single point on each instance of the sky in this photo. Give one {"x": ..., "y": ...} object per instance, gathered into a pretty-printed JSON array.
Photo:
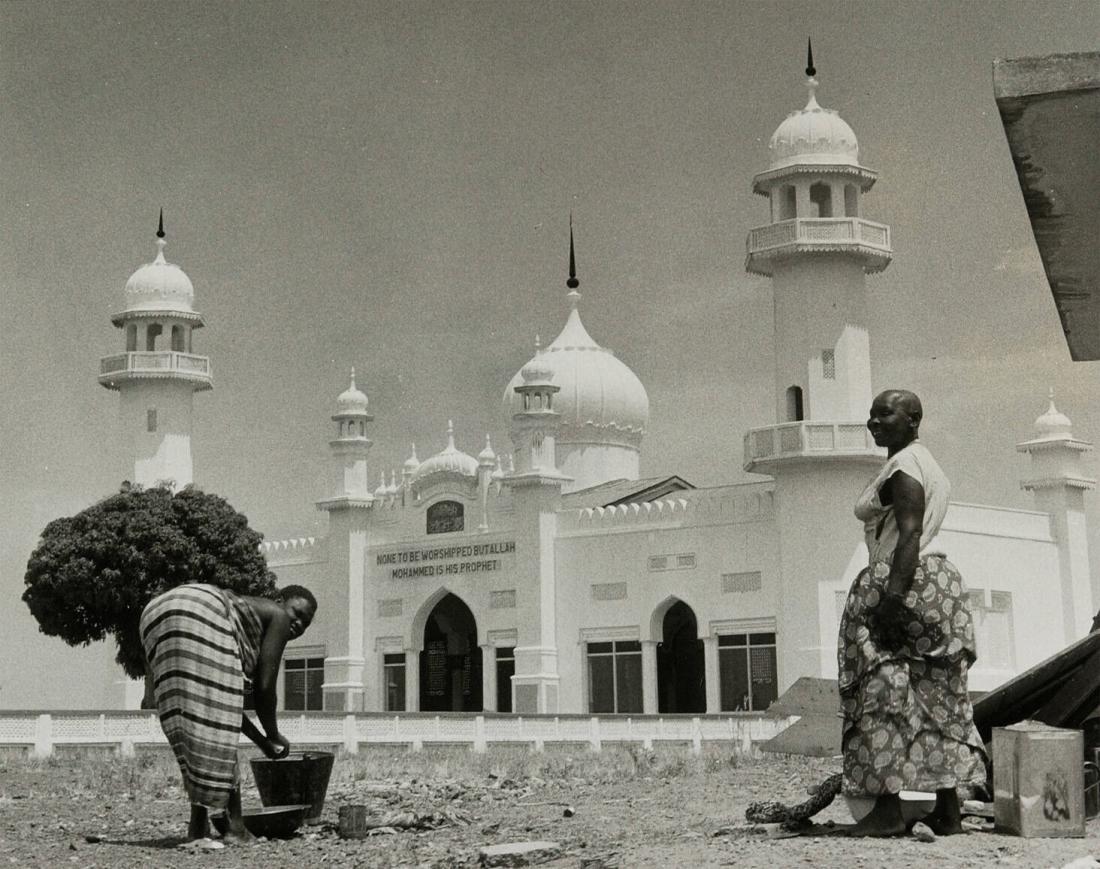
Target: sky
[{"x": 388, "y": 186}]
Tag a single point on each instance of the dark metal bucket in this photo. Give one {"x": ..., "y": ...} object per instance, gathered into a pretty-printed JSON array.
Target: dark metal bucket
[{"x": 300, "y": 777}]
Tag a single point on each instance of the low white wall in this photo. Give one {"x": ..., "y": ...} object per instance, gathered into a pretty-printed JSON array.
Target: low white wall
[{"x": 41, "y": 733}]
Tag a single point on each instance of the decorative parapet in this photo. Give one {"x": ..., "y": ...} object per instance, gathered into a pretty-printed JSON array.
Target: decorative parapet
[
  {"x": 726, "y": 505},
  {"x": 851, "y": 235},
  {"x": 808, "y": 440},
  {"x": 155, "y": 364},
  {"x": 295, "y": 550}
]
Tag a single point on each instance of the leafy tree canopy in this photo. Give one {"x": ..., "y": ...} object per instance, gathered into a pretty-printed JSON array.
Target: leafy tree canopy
[{"x": 93, "y": 573}]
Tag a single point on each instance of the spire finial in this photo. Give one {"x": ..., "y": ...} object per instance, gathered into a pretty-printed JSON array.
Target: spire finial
[
  {"x": 160, "y": 260},
  {"x": 572, "y": 283},
  {"x": 450, "y": 434},
  {"x": 353, "y": 377},
  {"x": 811, "y": 71},
  {"x": 538, "y": 344}
]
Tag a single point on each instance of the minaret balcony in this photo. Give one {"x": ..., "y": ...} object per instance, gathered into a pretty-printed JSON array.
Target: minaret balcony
[
  {"x": 845, "y": 235},
  {"x": 815, "y": 440},
  {"x": 155, "y": 365}
]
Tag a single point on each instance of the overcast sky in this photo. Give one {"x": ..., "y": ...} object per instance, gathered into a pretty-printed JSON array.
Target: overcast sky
[{"x": 388, "y": 185}]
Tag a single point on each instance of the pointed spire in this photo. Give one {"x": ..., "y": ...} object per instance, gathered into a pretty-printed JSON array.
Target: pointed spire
[
  {"x": 811, "y": 71},
  {"x": 160, "y": 260},
  {"x": 538, "y": 344},
  {"x": 572, "y": 282},
  {"x": 450, "y": 434},
  {"x": 352, "y": 377}
]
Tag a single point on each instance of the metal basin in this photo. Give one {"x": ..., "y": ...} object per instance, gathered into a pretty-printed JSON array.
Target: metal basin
[{"x": 275, "y": 822}]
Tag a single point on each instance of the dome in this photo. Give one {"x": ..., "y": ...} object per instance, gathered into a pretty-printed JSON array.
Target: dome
[
  {"x": 412, "y": 462},
  {"x": 159, "y": 286},
  {"x": 1053, "y": 424},
  {"x": 600, "y": 399},
  {"x": 813, "y": 135},
  {"x": 448, "y": 461},
  {"x": 351, "y": 402},
  {"x": 487, "y": 456}
]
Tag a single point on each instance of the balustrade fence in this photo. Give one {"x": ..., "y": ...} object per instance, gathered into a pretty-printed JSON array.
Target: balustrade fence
[{"x": 41, "y": 734}]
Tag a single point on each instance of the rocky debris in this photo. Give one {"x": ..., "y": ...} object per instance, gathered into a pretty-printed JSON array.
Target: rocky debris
[
  {"x": 922, "y": 832},
  {"x": 201, "y": 845},
  {"x": 611, "y": 860},
  {"x": 568, "y": 812},
  {"x": 518, "y": 853},
  {"x": 1088, "y": 862}
]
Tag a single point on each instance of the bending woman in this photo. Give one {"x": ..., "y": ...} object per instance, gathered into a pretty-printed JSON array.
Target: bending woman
[
  {"x": 906, "y": 640},
  {"x": 202, "y": 645}
]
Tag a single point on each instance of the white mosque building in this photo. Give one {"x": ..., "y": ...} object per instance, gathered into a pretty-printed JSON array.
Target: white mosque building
[{"x": 554, "y": 580}]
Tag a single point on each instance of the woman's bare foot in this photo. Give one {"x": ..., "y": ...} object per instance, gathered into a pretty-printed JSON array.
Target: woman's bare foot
[{"x": 883, "y": 820}]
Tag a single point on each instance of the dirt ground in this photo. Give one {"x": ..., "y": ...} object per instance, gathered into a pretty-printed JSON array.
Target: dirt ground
[{"x": 631, "y": 809}]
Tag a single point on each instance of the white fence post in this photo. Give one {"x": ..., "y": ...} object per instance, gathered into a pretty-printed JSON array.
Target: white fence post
[
  {"x": 351, "y": 735},
  {"x": 696, "y": 736},
  {"x": 480, "y": 745},
  {"x": 43, "y": 736},
  {"x": 595, "y": 734}
]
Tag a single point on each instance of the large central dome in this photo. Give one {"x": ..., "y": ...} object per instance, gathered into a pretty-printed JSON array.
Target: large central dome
[{"x": 601, "y": 401}]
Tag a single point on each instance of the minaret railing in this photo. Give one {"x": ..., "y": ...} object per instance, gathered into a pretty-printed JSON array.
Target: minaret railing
[
  {"x": 162, "y": 361},
  {"x": 820, "y": 230}
]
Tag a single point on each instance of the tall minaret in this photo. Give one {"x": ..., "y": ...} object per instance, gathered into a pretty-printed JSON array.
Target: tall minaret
[
  {"x": 1058, "y": 481},
  {"x": 158, "y": 374},
  {"x": 817, "y": 249}
]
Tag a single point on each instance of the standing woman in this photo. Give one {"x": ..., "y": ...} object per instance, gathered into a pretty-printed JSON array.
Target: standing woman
[
  {"x": 906, "y": 640},
  {"x": 203, "y": 644}
]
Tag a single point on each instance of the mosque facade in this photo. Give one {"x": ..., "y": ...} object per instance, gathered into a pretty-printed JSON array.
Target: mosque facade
[{"x": 547, "y": 576}]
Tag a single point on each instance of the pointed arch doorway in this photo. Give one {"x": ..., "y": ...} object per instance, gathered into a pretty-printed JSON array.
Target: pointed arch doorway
[
  {"x": 450, "y": 665},
  {"x": 681, "y": 672}
]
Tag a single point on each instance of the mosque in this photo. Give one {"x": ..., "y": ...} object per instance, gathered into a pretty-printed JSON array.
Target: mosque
[{"x": 551, "y": 578}]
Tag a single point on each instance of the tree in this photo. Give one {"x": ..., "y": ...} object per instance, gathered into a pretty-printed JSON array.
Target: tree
[{"x": 93, "y": 573}]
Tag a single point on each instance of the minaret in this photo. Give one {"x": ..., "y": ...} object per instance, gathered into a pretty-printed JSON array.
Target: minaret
[
  {"x": 351, "y": 444},
  {"x": 158, "y": 374},
  {"x": 817, "y": 250},
  {"x": 1059, "y": 482},
  {"x": 349, "y": 511}
]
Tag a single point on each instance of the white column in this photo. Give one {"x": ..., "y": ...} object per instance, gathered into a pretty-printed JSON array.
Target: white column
[
  {"x": 710, "y": 668},
  {"x": 489, "y": 677},
  {"x": 412, "y": 680},
  {"x": 649, "y": 677}
]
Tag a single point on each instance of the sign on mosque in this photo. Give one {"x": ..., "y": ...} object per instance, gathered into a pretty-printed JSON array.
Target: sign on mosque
[{"x": 456, "y": 560}]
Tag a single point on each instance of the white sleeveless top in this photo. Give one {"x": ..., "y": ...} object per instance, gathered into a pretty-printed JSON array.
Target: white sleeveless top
[{"x": 880, "y": 528}]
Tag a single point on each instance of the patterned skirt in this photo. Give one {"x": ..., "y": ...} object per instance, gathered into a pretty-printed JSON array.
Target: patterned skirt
[
  {"x": 908, "y": 721},
  {"x": 190, "y": 636}
]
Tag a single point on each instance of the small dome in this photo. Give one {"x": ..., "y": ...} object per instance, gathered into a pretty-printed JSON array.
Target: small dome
[
  {"x": 393, "y": 488},
  {"x": 382, "y": 491},
  {"x": 1053, "y": 423},
  {"x": 813, "y": 135},
  {"x": 351, "y": 402},
  {"x": 537, "y": 371},
  {"x": 600, "y": 399},
  {"x": 487, "y": 456},
  {"x": 498, "y": 471},
  {"x": 450, "y": 460},
  {"x": 159, "y": 286},
  {"x": 412, "y": 462}
]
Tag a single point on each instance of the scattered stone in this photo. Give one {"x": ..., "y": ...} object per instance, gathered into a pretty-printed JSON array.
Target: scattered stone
[
  {"x": 518, "y": 853},
  {"x": 568, "y": 812},
  {"x": 93, "y": 839},
  {"x": 201, "y": 845},
  {"x": 602, "y": 861},
  {"x": 1088, "y": 862},
  {"x": 72, "y": 846},
  {"x": 923, "y": 833}
]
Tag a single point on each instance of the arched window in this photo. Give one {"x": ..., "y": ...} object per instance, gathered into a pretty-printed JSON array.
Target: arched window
[
  {"x": 131, "y": 338},
  {"x": 821, "y": 198},
  {"x": 177, "y": 339},
  {"x": 788, "y": 208},
  {"x": 152, "y": 332},
  {"x": 851, "y": 201},
  {"x": 445, "y": 516},
  {"x": 794, "y": 404}
]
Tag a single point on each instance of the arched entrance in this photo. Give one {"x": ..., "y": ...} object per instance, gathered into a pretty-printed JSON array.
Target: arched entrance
[
  {"x": 681, "y": 673},
  {"x": 450, "y": 665}
]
